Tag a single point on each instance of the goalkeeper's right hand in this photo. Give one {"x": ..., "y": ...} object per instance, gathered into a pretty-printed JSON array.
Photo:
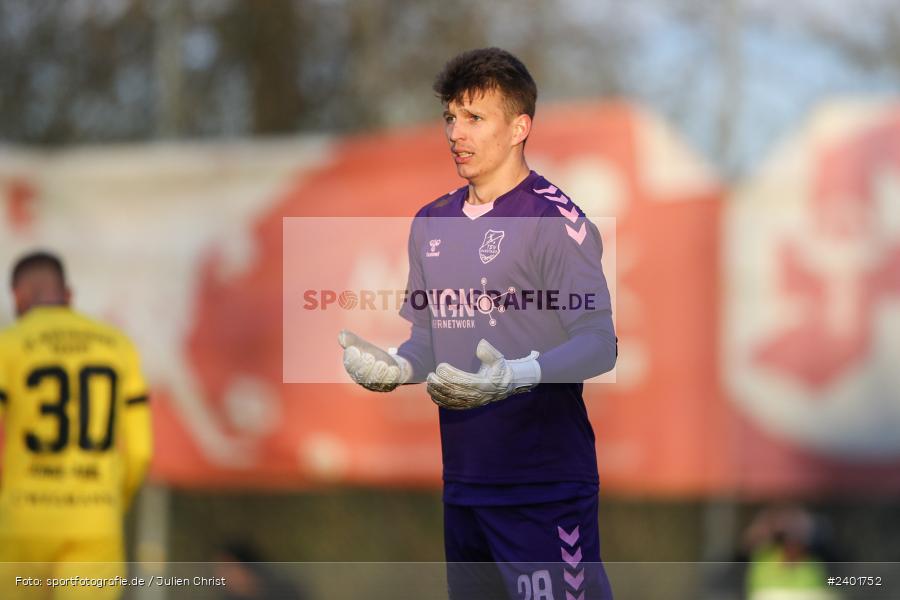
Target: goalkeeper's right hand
[{"x": 370, "y": 366}]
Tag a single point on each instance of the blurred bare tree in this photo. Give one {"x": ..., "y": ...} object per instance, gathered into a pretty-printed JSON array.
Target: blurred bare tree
[
  {"x": 873, "y": 43},
  {"x": 103, "y": 70},
  {"x": 731, "y": 75},
  {"x": 74, "y": 70}
]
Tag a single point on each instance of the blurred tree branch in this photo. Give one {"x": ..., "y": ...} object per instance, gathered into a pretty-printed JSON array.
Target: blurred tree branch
[{"x": 87, "y": 71}]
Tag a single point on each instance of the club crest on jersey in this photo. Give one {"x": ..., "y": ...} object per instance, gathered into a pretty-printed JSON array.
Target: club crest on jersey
[{"x": 490, "y": 248}]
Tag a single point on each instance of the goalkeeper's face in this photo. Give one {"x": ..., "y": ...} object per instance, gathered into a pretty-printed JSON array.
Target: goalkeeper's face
[{"x": 483, "y": 136}]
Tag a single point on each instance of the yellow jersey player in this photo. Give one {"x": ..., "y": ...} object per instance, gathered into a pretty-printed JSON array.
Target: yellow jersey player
[{"x": 77, "y": 441}]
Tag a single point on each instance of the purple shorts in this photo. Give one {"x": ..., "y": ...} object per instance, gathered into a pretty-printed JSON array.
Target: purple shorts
[{"x": 548, "y": 551}]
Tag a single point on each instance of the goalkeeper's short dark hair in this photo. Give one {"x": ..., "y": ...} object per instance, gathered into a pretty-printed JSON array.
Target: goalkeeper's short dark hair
[
  {"x": 40, "y": 259},
  {"x": 485, "y": 69}
]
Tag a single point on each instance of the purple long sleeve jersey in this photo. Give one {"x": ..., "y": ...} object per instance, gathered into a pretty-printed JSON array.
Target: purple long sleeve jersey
[{"x": 524, "y": 275}]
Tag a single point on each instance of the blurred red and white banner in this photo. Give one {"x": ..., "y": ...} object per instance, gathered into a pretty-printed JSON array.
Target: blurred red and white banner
[
  {"x": 758, "y": 335},
  {"x": 811, "y": 278}
]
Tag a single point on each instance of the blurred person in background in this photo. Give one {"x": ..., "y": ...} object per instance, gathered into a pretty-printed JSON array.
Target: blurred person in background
[
  {"x": 520, "y": 465},
  {"x": 247, "y": 577},
  {"x": 787, "y": 557},
  {"x": 77, "y": 438}
]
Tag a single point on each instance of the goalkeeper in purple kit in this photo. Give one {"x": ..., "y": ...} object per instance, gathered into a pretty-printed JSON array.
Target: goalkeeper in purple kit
[{"x": 510, "y": 313}]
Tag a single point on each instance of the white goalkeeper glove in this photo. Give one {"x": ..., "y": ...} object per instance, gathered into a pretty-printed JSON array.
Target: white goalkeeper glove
[
  {"x": 370, "y": 366},
  {"x": 498, "y": 378}
]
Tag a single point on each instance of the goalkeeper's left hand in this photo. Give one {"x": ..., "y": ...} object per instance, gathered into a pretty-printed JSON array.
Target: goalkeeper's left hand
[{"x": 498, "y": 378}]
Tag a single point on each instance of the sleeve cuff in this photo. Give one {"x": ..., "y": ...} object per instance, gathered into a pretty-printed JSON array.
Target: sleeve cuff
[{"x": 526, "y": 371}]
